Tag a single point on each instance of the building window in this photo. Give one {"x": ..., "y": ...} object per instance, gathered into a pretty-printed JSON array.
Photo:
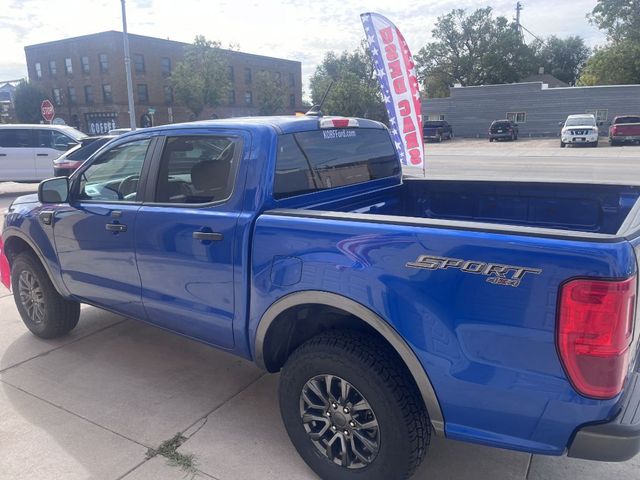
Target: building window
[
  {"x": 292, "y": 80},
  {"x": 601, "y": 115},
  {"x": 106, "y": 93},
  {"x": 88, "y": 94},
  {"x": 232, "y": 97},
  {"x": 247, "y": 75},
  {"x": 52, "y": 68},
  {"x": 165, "y": 65},
  {"x": 168, "y": 95},
  {"x": 68, "y": 66},
  {"x": 84, "y": 60},
  {"x": 38, "y": 70},
  {"x": 104, "y": 62},
  {"x": 517, "y": 117},
  {"x": 143, "y": 93},
  {"x": 57, "y": 97},
  {"x": 71, "y": 95},
  {"x": 248, "y": 98},
  {"x": 433, "y": 117},
  {"x": 230, "y": 73},
  {"x": 292, "y": 100},
  {"x": 138, "y": 63}
]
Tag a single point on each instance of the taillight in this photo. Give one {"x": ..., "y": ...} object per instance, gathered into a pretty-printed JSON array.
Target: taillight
[
  {"x": 595, "y": 331},
  {"x": 614, "y": 130}
]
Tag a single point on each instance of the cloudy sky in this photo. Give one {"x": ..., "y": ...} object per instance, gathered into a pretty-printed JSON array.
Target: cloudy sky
[{"x": 296, "y": 29}]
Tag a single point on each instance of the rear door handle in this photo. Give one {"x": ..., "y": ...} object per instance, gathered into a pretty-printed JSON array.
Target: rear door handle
[
  {"x": 42, "y": 154},
  {"x": 210, "y": 236},
  {"x": 116, "y": 227}
]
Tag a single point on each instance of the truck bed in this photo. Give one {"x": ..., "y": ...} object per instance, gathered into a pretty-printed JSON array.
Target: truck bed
[{"x": 589, "y": 208}]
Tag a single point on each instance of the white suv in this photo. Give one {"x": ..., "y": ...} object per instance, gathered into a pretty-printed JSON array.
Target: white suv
[
  {"x": 27, "y": 152},
  {"x": 579, "y": 129}
]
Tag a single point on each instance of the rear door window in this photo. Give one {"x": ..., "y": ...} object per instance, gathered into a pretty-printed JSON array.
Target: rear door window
[
  {"x": 15, "y": 138},
  {"x": 323, "y": 159},
  {"x": 197, "y": 169}
]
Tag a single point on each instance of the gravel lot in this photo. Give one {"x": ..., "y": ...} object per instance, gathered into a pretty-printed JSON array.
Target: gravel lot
[{"x": 89, "y": 405}]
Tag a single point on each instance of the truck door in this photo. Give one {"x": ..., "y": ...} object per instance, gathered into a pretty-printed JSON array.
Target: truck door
[
  {"x": 94, "y": 233},
  {"x": 17, "y": 154},
  {"x": 186, "y": 241}
]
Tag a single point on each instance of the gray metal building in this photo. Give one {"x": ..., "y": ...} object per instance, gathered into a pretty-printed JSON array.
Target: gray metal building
[{"x": 533, "y": 105}]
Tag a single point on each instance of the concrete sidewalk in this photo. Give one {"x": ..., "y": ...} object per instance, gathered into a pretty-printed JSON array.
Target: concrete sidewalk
[{"x": 91, "y": 405}]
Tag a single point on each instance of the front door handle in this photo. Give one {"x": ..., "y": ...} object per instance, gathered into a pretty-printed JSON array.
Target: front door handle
[
  {"x": 208, "y": 236},
  {"x": 116, "y": 227},
  {"x": 42, "y": 154}
]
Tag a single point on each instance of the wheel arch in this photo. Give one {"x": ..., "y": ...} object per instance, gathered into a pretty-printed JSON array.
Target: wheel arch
[
  {"x": 16, "y": 242},
  {"x": 280, "y": 319}
]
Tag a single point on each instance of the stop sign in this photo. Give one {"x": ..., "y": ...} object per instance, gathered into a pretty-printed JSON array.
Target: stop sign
[{"x": 47, "y": 110}]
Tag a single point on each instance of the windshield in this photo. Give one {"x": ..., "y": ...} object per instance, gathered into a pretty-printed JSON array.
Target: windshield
[
  {"x": 580, "y": 121},
  {"x": 82, "y": 153},
  {"x": 77, "y": 135},
  {"x": 622, "y": 120},
  {"x": 322, "y": 159}
]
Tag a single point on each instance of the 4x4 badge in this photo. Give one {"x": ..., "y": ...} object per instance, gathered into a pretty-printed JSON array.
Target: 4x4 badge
[{"x": 496, "y": 273}]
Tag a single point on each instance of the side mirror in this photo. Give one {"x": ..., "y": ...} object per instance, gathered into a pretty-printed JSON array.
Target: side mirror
[
  {"x": 600, "y": 124},
  {"x": 54, "y": 190},
  {"x": 560, "y": 124},
  {"x": 70, "y": 145}
]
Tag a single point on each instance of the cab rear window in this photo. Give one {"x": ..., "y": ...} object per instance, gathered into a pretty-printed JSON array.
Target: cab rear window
[{"x": 322, "y": 159}]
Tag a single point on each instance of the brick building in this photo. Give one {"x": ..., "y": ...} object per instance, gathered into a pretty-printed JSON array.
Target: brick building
[{"x": 85, "y": 79}]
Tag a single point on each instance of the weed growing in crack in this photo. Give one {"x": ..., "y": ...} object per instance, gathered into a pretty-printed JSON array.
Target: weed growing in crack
[{"x": 168, "y": 449}]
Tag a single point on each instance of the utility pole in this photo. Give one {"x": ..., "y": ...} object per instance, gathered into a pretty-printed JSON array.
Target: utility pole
[
  {"x": 127, "y": 66},
  {"x": 519, "y": 8}
]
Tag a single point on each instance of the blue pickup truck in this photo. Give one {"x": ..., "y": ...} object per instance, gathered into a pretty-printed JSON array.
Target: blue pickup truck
[{"x": 497, "y": 313}]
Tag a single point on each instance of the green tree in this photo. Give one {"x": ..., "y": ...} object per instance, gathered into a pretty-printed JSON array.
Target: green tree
[
  {"x": 472, "y": 49},
  {"x": 619, "y": 18},
  {"x": 563, "y": 58},
  {"x": 27, "y": 100},
  {"x": 270, "y": 93},
  {"x": 618, "y": 62},
  {"x": 614, "y": 64},
  {"x": 355, "y": 90},
  {"x": 201, "y": 79}
]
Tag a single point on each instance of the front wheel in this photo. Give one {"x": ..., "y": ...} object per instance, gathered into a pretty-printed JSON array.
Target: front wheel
[
  {"x": 43, "y": 310},
  {"x": 594, "y": 144},
  {"x": 351, "y": 409},
  {"x": 562, "y": 144}
]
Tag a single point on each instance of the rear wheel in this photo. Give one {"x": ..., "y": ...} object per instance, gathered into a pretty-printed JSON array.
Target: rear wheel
[
  {"x": 490, "y": 140},
  {"x": 351, "y": 410},
  {"x": 614, "y": 143},
  {"x": 439, "y": 138},
  {"x": 43, "y": 310}
]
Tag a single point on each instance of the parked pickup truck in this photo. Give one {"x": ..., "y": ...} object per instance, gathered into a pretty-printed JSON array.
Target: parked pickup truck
[
  {"x": 497, "y": 313},
  {"x": 437, "y": 130},
  {"x": 624, "y": 129}
]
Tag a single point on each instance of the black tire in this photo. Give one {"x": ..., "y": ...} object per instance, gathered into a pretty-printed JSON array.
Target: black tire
[
  {"x": 490, "y": 140},
  {"x": 56, "y": 316},
  {"x": 614, "y": 143},
  {"x": 439, "y": 138},
  {"x": 378, "y": 376},
  {"x": 562, "y": 144},
  {"x": 594, "y": 144}
]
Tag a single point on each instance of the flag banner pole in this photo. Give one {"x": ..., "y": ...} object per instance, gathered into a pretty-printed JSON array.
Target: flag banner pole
[{"x": 400, "y": 90}]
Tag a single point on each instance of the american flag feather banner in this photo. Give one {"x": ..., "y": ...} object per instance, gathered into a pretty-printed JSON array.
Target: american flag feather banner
[{"x": 399, "y": 87}]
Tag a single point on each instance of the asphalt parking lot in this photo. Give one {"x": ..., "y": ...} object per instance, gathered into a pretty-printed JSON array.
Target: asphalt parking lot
[{"x": 91, "y": 404}]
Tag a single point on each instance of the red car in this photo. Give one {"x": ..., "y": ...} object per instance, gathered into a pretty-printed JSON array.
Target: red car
[{"x": 624, "y": 129}]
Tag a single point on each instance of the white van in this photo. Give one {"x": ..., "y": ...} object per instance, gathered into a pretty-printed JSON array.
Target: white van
[{"x": 27, "y": 152}]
